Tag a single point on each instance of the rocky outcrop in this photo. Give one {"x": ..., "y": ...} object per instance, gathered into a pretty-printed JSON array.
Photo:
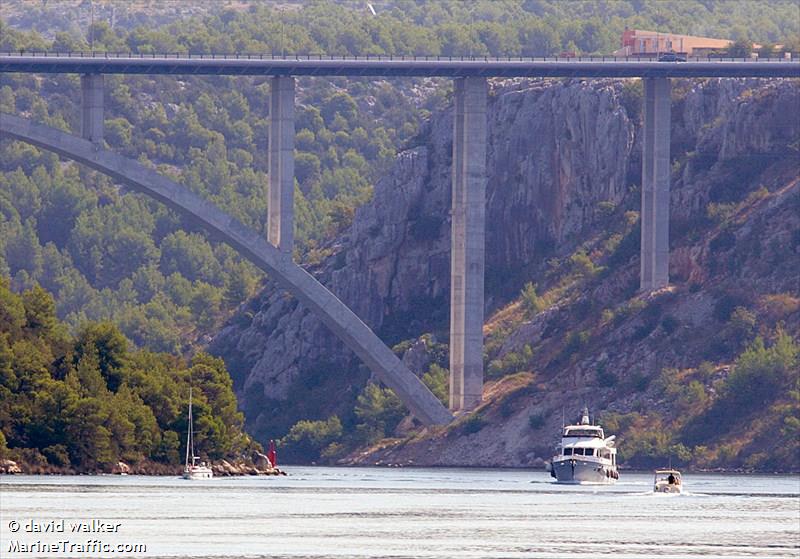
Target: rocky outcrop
[
  {"x": 9, "y": 467},
  {"x": 223, "y": 468},
  {"x": 257, "y": 464},
  {"x": 723, "y": 120}
]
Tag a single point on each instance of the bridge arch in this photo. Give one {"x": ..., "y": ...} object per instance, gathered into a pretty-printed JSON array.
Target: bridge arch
[{"x": 342, "y": 321}]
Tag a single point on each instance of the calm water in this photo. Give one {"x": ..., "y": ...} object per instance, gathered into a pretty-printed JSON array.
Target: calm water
[{"x": 426, "y": 513}]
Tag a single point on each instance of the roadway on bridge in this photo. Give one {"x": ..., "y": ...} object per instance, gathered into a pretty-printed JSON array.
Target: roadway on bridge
[{"x": 420, "y": 66}]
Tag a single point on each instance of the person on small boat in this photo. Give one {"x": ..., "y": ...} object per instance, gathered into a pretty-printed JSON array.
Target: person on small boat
[{"x": 671, "y": 479}]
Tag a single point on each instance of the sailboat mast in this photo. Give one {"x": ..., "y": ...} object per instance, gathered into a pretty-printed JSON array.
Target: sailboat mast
[{"x": 189, "y": 441}]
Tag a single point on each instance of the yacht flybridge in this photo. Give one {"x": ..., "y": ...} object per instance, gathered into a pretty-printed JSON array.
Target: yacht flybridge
[{"x": 585, "y": 455}]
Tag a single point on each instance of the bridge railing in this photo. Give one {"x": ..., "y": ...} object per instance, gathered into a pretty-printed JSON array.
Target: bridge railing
[{"x": 375, "y": 58}]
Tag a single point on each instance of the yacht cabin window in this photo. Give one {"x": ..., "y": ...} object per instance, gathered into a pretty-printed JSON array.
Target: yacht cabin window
[
  {"x": 584, "y": 451},
  {"x": 580, "y": 451},
  {"x": 583, "y": 432}
]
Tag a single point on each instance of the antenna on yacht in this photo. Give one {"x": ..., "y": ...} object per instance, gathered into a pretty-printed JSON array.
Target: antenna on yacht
[{"x": 562, "y": 418}]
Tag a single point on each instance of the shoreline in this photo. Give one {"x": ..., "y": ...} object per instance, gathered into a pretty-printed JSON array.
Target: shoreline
[
  {"x": 223, "y": 468},
  {"x": 254, "y": 472}
]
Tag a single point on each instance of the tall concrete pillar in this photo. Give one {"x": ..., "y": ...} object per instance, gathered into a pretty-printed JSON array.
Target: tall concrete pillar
[
  {"x": 92, "y": 107},
  {"x": 656, "y": 171},
  {"x": 467, "y": 243},
  {"x": 280, "y": 219}
]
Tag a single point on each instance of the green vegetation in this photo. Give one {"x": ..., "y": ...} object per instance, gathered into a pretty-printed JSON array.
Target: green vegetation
[
  {"x": 531, "y": 300},
  {"x": 582, "y": 265},
  {"x": 473, "y": 423},
  {"x": 311, "y": 440},
  {"x": 379, "y": 411},
  {"x": 376, "y": 414},
  {"x": 512, "y": 362},
  {"x": 88, "y": 401},
  {"x": 437, "y": 379},
  {"x": 749, "y": 419},
  {"x": 761, "y": 374}
]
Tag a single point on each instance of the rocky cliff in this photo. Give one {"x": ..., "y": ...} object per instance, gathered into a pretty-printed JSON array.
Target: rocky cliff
[
  {"x": 556, "y": 150},
  {"x": 563, "y": 168}
]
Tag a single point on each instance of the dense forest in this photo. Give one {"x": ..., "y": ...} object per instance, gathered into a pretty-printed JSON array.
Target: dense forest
[
  {"x": 121, "y": 267},
  {"x": 87, "y": 401}
]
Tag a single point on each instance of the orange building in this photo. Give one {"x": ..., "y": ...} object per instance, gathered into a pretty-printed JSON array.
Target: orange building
[{"x": 636, "y": 42}]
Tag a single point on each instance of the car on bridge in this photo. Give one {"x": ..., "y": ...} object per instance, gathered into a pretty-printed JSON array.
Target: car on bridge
[{"x": 671, "y": 57}]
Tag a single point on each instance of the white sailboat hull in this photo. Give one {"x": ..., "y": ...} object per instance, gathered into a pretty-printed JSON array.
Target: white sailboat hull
[{"x": 197, "y": 472}]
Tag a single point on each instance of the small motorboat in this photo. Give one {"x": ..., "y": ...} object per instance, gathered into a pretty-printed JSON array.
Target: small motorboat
[{"x": 667, "y": 481}]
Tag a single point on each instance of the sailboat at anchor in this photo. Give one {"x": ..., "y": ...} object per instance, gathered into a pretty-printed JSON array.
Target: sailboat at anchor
[{"x": 191, "y": 469}]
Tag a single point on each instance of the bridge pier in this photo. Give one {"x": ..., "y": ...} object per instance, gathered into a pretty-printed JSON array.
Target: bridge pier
[
  {"x": 467, "y": 243},
  {"x": 92, "y": 107},
  {"x": 656, "y": 171},
  {"x": 280, "y": 218}
]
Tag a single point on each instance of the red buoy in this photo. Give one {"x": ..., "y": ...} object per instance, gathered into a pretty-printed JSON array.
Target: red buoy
[{"x": 272, "y": 454}]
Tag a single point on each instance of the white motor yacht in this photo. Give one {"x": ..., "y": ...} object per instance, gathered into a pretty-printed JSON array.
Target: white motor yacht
[{"x": 586, "y": 455}]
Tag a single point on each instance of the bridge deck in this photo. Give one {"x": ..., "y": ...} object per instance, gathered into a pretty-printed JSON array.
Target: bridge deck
[{"x": 312, "y": 65}]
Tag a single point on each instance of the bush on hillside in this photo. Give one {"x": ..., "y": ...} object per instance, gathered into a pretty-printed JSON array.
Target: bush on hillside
[
  {"x": 307, "y": 440},
  {"x": 762, "y": 373},
  {"x": 531, "y": 301},
  {"x": 379, "y": 410}
]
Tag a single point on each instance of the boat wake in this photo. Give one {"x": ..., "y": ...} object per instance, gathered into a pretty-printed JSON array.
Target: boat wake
[{"x": 651, "y": 493}]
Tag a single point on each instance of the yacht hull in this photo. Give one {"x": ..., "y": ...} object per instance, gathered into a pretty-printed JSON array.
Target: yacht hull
[
  {"x": 198, "y": 472},
  {"x": 577, "y": 472},
  {"x": 667, "y": 488}
]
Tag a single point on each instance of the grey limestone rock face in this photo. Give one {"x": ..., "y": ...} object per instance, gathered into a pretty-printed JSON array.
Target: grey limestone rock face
[
  {"x": 721, "y": 120},
  {"x": 555, "y": 152},
  {"x": 556, "y": 149}
]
